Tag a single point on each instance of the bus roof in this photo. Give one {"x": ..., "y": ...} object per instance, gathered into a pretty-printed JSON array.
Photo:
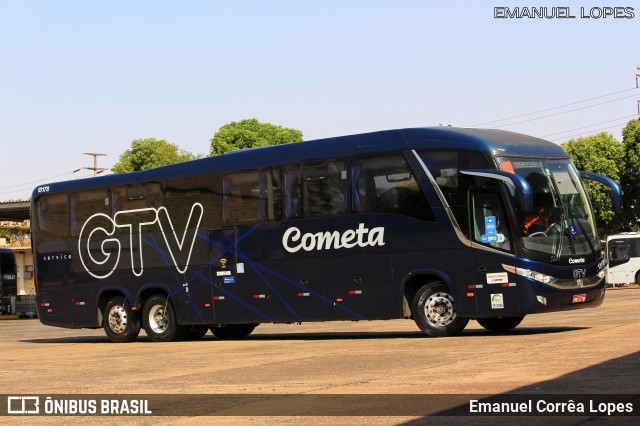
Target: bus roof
[{"x": 492, "y": 142}]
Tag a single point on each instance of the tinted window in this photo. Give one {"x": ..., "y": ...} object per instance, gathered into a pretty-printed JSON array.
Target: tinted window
[
  {"x": 490, "y": 225},
  {"x": 140, "y": 202},
  {"x": 52, "y": 215},
  {"x": 316, "y": 189},
  {"x": 445, "y": 168},
  {"x": 136, "y": 196},
  {"x": 253, "y": 196},
  {"x": 387, "y": 185},
  {"x": 181, "y": 194},
  {"x": 86, "y": 204}
]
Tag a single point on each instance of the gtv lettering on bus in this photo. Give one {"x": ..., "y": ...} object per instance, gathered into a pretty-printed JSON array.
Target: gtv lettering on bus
[
  {"x": 293, "y": 239},
  {"x": 180, "y": 249}
]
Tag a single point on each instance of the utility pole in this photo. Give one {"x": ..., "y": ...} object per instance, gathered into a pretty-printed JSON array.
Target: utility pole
[
  {"x": 95, "y": 167},
  {"x": 637, "y": 77}
]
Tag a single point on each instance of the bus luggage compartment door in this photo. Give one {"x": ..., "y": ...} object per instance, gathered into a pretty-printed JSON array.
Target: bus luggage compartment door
[{"x": 235, "y": 295}]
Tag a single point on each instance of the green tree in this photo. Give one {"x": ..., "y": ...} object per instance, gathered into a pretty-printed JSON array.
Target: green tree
[
  {"x": 148, "y": 153},
  {"x": 631, "y": 175},
  {"x": 251, "y": 133},
  {"x": 603, "y": 154}
]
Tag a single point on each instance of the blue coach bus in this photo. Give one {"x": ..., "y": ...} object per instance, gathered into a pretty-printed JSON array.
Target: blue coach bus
[{"x": 440, "y": 225}]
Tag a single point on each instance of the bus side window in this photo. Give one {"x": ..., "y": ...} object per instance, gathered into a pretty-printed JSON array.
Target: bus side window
[
  {"x": 241, "y": 197},
  {"x": 181, "y": 194},
  {"x": 325, "y": 188},
  {"x": 619, "y": 250},
  {"x": 489, "y": 222},
  {"x": 136, "y": 196},
  {"x": 52, "y": 215},
  {"x": 136, "y": 200},
  {"x": 316, "y": 189},
  {"x": 86, "y": 204},
  {"x": 387, "y": 185}
]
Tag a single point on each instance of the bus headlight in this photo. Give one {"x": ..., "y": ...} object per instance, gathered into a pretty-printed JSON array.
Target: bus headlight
[
  {"x": 570, "y": 283},
  {"x": 532, "y": 275}
]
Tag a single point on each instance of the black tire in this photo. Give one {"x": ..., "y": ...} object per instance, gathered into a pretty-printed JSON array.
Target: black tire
[
  {"x": 121, "y": 324},
  {"x": 500, "y": 325},
  {"x": 232, "y": 331},
  {"x": 638, "y": 277},
  {"x": 434, "y": 311},
  {"x": 159, "y": 320},
  {"x": 194, "y": 332}
]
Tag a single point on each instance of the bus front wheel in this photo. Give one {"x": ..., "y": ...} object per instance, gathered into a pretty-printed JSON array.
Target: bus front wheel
[
  {"x": 500, "y": 325},
  {"x": 434, "y": 311},
  {"x": 159, "y": 320},
  {"x": 120, "y": 323}
]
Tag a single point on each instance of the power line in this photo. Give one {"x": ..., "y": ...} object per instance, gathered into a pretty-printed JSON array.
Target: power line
[
  {"x": 556, "y": 107},
  {"x": 584, "y": 127},
  {"x": 564, "y": 112},
  {"x": 523, "y": 95},
  {"x": 622, "y": 123},
  {"x": 35, "y": 181}
]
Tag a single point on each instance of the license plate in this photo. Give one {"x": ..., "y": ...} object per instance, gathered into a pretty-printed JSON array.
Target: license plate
[{"x": 579, "y": 298}]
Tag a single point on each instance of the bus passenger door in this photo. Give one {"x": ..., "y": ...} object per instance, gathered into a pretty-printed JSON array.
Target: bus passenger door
[
  {"x": 234, "y": 296},
  {"x": 496, "y": 292}
]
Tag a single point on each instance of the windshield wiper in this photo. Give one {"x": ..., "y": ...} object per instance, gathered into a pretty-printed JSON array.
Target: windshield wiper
[
  {"x": 559, "y": 240},
  {"x": 584, "y": 232}
]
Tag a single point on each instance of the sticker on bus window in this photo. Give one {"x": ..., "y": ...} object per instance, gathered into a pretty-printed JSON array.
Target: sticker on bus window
[
  {"x": 507, "y": 167},
  {"x": 490, "y": 225},
  {"x": 573, "y": 229},
  {"x": 497, "y": 301},
  {"x": 492, "y": 239}
]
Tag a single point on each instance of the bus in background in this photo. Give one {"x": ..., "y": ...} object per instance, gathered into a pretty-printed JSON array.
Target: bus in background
[
  {"x": 623, "y": 253},
  {"x": 440, "y": 225},
  {"x": 8, "y": 282}
]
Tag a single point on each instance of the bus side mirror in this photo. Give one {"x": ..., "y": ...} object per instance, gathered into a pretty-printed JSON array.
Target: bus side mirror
[
  {"x": 615, "y": 188},
  {"x": 516, "y": 184}
]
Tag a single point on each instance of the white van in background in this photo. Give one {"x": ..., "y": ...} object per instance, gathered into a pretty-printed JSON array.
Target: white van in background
[{"x": 623, "y": 252}]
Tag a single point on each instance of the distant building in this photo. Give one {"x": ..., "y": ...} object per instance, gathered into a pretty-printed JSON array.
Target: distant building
[{"x": 15, "y": 217}]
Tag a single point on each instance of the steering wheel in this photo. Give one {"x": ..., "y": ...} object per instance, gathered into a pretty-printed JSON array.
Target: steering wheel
[{"x": 545, "y": 232}]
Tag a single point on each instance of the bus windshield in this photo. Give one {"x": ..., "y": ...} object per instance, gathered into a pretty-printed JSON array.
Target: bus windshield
[{"x": 561, "y": 223}]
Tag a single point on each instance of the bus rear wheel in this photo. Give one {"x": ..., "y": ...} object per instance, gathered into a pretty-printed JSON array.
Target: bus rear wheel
[
  {"x": 232, "y": 331},
  {"x": 434, "y": 311},
  {"x": 500, "y": 325},
  {"x": 159, "y": 320},
  {"x": 120, "y": 323}
]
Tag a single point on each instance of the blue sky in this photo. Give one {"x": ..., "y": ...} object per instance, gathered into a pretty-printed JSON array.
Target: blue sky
[{"x": 87, "y": 76}]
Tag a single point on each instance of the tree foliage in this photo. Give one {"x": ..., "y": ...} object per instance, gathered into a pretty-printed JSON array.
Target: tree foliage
[
  {"x": 631, "y": 176},
  {"x": 603, "y": 154},
  {"x": 251, "y": 133},
  {"x": 148, "y": 153}
]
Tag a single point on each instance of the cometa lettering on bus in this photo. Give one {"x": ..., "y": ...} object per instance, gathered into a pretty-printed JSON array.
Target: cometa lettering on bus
[{"x": 361, "y": 237}]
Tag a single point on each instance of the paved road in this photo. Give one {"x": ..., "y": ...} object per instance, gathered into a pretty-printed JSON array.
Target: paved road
[{"x": 575, "y": 352}]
